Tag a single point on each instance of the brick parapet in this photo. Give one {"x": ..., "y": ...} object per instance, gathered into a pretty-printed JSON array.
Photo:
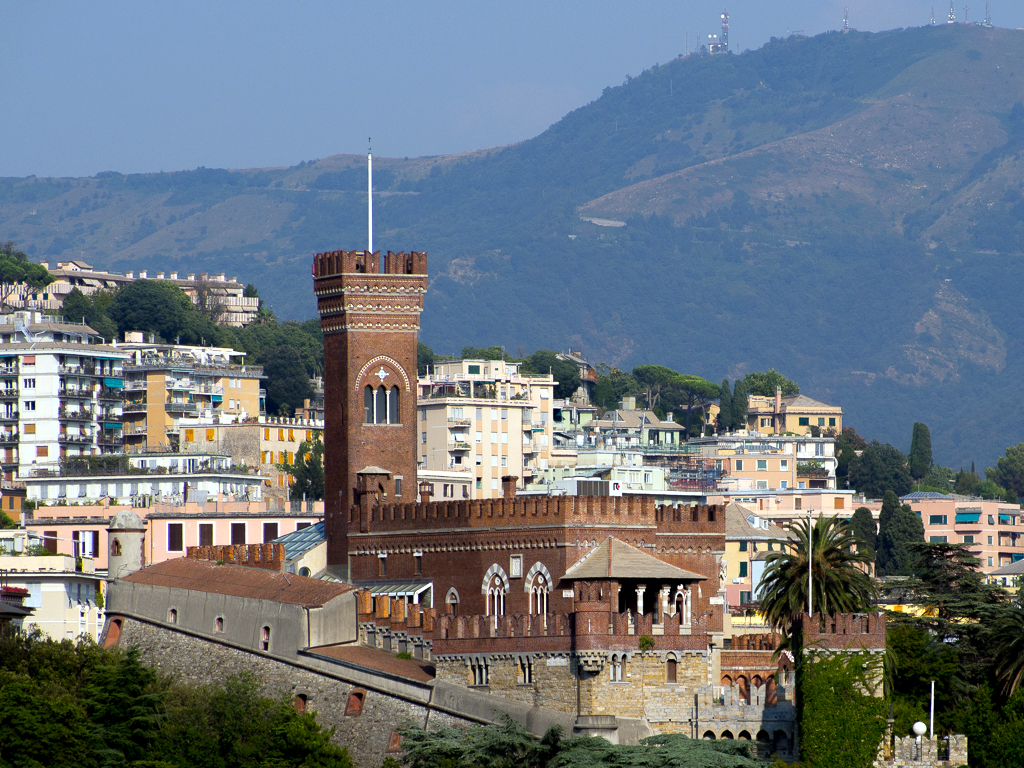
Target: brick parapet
[
  {"x": 269, "y": 556},
  {"x": 847, "y": 631}
]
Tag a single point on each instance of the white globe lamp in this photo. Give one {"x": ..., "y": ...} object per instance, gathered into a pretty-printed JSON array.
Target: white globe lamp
[{"x": 920, "y": 729}]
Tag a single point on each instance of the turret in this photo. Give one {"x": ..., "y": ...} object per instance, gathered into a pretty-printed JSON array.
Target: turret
[{"x": 127, "y": 540}]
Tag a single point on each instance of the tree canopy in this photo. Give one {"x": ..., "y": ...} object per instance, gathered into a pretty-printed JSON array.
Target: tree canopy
[
  {"x": 920, "y": 451},
  {"x": 16, "y": 269},
  {"x": 307, "y": 469},
  {"x": 765, "y": 383},
  {"x": 566, "y": 372},
  {"x": 878, "y": 469},
  {"x": 863, "y": 524},
  {"x": 897, "y": 533},
  {"x": 287, "y": 381},
  {"x": 1009, "y": 470}
]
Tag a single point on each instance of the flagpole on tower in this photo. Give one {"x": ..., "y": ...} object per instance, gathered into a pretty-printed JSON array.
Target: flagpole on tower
[{"x": 369, "y": 187}]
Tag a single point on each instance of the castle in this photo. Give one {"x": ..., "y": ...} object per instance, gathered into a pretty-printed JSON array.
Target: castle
[{"x": 605, "y": 615}]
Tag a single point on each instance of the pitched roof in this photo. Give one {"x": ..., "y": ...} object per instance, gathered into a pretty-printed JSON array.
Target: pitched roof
[
  {"x": 238, "y": 581},
  {"x": 1013, "y": 569},
  {"x": 382, "y": 661},
  {"x": 634, "y": 420},
  {"x": 803, "y": 401},
  {"x": 614, "y": 559},
  {"x": 301, "y": 541},
  {"x": 737, "y": 526}
]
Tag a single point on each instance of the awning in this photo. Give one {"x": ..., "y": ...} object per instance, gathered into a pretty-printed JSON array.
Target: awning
[
  {"x": 968, "y": 517},
  {"x": 401, "y": 589},
  {"x": 217, "y": 398},
  {"x": 117, "y": 383},
  {"x": 111, "y": 425},
  {"x": 1004, "y": 520}
]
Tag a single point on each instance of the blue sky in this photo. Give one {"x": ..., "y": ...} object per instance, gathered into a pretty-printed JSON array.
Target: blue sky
[{"x": 134, "y": 87}]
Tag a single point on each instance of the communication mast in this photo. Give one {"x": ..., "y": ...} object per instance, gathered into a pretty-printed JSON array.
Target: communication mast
[
  {"x": 952, "y": 13},
  {"x": 933, "y": 15},
  {"x": 725, "y": 30},
  {"x": 988, "y": 14},
  {"x": 846, "y": 19}
]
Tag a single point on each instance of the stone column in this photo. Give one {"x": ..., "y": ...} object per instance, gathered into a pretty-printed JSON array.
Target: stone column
[{"x": 640, "y": 589}]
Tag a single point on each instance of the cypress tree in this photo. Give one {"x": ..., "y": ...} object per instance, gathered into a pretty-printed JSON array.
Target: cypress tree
[
  {"x": 740, "y": 404},
  {"x": 920, "y": 451},
  {"x": 864, "y": 529},
  {"x": 894, "y": 556},
  {"x": 725, "y": 408}
]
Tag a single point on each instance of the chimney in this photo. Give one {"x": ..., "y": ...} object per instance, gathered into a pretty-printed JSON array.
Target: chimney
[
  {"x": 778, "y": 409},
  {"x": 220, "y": 277},
  {"x": 426, "y": 490},
  {"x": 508, "y": 487},
  {"x": 142, "y": 274},
  {"x": 668, "y": 416},
  {"x": 159, "y": 275},
  {"x": 130, "y": 275},
  {"x": 45, "y": 264},
  {"x": 191, "y": 276}
]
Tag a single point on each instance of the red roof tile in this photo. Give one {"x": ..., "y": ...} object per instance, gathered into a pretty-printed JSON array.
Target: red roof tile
[
  {"x": 238, "y": 581},
  {"x": 382, "y": 661}
]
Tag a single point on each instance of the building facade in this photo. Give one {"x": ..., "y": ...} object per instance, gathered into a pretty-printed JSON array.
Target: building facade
[
  {"x": 60, "y": 394},
  {"x": 485, "y": 417}
]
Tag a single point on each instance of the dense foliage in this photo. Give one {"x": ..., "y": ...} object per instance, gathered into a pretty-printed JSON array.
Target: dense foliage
[
  {"x": 507, "y": 745},
  {"x": 878, "y": 469},
  {"x": 77, "y": 705},
  {"x": 307, "y": 469},
  {"x": 899, "y": 529}
]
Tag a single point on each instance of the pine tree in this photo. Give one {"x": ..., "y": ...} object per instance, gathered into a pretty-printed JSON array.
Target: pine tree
[
  {"x": 920, "y": 451},
  {"x": 725, "y": 408},
  {"x": 740, "y": 405}
]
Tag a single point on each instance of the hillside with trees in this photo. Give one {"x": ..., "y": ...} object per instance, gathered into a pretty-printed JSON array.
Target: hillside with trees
[{"x": 846, "y": 208}]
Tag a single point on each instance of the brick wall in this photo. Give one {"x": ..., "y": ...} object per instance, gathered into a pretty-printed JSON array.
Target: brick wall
[{"x": 269, "y": 556}]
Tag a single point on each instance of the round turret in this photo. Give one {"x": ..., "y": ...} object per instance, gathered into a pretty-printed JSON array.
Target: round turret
[{"x": 126, "y": 535}]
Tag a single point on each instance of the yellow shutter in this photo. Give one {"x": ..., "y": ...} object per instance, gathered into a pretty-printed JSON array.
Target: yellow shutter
[
  {"x": 291, "y": 435},
  {"x": 209, "y": 435},
  {"x": 266, "y": 433},
  {"x": 189, "y": 435},
  {"x": 280, "y": 435},
  {"x": 309, "y": 435}
]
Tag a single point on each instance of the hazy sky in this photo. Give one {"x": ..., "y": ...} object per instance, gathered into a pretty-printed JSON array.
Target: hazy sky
[{"x": 130, "y": 86}]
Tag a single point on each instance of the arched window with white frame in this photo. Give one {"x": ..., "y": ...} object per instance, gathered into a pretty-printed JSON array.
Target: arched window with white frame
[
  {"x": 495, "y": 586},
  {"x": 538, "y": 583}
]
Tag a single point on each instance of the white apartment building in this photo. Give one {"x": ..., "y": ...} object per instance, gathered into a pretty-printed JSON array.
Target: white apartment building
[
  {"x": 485, "y": 418},
  {"x": 61, "y": 593},
  {"x": 60, "y": 393}
]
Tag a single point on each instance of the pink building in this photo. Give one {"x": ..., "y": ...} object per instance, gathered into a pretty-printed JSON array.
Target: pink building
[{"x": 170, "y": 528}]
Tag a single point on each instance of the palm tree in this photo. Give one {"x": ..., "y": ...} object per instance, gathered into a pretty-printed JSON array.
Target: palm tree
[
  {"x": 1007, "y": 635},
  {"x": 839, "y": 584}
]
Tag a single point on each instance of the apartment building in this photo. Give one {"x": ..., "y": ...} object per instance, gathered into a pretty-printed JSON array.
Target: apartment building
[
  {"x": 992, "y": 530},
  {"x": 486, "y": 416},
  {"x": 632, "y": 427},
  {"x": 60, "y": 393},
  {"x": 219, "y": 294},
  {"x": 263, "y": 443},
  {"x": 170, "y": 386},
  {"x": 62, "y": 593},
  {"x": 748, "y": 540},
  {"x": 756, "y": 462}
]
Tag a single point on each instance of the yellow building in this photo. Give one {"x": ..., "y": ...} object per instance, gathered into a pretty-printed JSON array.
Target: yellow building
[
  {"x": 263, "y": 443},
  {"x": 748, "y": 539},
  {"x": 792, "y": 414},
  {"x": 170, "y": 386}
]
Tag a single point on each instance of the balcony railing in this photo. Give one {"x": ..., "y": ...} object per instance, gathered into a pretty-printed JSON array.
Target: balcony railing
[
  {"x": 458, "y": 445},
  {"x": 8, "y": 393},
  {"x": 181, "y": 407},
  {"x": 454, "y": 422},
  {"x": 110, "y": 393},
  {"x": 9, "y": 370},
  {"x": 134, "y": 407},
  {"x": 82, "y": 414},
  {"x": 9, "y": 437},
  {"x": 77, "y": 370},
  {"x": 11, "y": 415},
  {"x": 81, "y": 439},
  {"x": 111, "y": 438},
  {"x": 75, "y": 392}
]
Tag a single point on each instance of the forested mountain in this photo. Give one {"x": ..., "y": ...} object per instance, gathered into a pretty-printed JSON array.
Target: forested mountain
[{"x": 848, "y": 209}]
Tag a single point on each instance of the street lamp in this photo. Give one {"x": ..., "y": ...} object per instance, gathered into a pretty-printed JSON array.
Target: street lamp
[{"x": 810, "y": 570}]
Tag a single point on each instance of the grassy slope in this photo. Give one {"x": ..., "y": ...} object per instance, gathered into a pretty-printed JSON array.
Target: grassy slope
[{"x": 811, "y": 176}]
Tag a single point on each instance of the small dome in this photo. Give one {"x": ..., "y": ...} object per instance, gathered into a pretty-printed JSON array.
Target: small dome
[{"x": 126, "y": 520}]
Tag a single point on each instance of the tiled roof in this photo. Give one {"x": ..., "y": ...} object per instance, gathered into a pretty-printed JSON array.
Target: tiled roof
[
  {"x": 371, "y": 658},
  {"x": 614, "y": 559},
  {"x": 791, "y": 402},
  {"x": 634, "y": 419},
  {"x": 301, "y": 541},
  {"x": 238, "y": 581},
  {"x": 923, "y": 496},
  {"x": 738, "y": 527}
]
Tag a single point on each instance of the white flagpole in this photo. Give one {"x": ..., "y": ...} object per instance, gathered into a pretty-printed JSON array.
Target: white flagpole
[{"x": 369, "y": 187}]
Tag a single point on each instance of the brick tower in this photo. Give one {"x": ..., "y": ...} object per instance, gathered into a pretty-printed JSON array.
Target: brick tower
[{"x": 369, "y": 309}]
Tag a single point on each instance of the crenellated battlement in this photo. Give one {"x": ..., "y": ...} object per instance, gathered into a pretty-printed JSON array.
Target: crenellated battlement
[
  {"x": 332, "y": 263},
  {"x": 528, "y": 511},
  {"x": 845, "y": 631}
]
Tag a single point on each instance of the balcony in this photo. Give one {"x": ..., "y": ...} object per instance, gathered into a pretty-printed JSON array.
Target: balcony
[
  {"x": 75, "y": 392},
  {"x": 184, "y": 408},
  {"x": 75, "y": 439},
  {"x": 9, "y": 370},
  {"x": 77, "y": 370},
  {"x": 11, "y": 415},
  {"x": 458, "y": 446},
  {"x": 110, "y": 438},
  {"x": 8, "y": 393},
  {"x": 82, "y": 414},
  {"x": 135, "y": 431},
  {"x": 134, "y": 407},
  {"x": 453, "y": 422},
  {"x": 7, "y": 438},
  {"x": 110, "y": 393},
  {"x": 136, "y": 385}
]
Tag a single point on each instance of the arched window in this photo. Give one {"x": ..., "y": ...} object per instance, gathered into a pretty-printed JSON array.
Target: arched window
[
  {"x": 380, "y": 409},
  {"x": 670, "y": 670},
  {"x": 115, "y": 548},
  {"x": 615, "y": 669},
  {"x": 218, "y": 624},
  {"x": 368, "y": 405},
  {"x": 113, "y": 633},
  {"x": 172, "y": 616},
  {"x": 453, "y": 602},
  {"x": 495, "y": 596},
  {"x": 265, "y": 639},
  {"x": 393, "y": 412},
  {"x": 300, "y": 702},
  {"x": 354, "y": 705},
  {"x": 539, "y": 595}
]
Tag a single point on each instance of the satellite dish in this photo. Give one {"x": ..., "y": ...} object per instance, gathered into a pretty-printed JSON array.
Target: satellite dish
[{"x": 920, "y": 729}]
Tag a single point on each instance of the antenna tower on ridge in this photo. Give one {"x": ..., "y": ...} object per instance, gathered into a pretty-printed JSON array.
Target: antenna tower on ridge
[
  {"x": 933, "y": 15},
  {"x": 846, "y": 19},
  {"x": 952, "y": 13},
  {"x": 988, "y": 13},
  {"x": 725, "y": 31}
]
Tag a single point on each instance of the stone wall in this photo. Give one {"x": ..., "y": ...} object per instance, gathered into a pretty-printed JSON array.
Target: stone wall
[
  {"x": 926, "y": 753},
  {"x": 199, "y": 661}
]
